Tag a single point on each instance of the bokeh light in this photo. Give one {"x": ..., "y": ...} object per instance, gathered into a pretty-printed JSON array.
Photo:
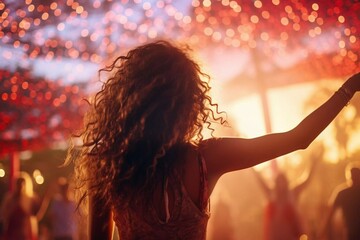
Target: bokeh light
[
  {"x": 49, "y": 47},
  {"x": 50, "y": 52}
]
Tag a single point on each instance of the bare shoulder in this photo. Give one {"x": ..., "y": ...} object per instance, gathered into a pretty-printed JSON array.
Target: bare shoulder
[
  {"x": 213, "y": 152},
  {"x": 188, "y": 156},
  {"x": 219, "y": 155}
]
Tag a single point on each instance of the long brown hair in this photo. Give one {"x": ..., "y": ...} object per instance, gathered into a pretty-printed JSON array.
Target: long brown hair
[{"x": 155, "y": 99}]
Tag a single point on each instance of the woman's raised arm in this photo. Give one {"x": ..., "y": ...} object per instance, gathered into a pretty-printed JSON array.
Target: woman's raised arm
[{"x": 230, "y": 154}]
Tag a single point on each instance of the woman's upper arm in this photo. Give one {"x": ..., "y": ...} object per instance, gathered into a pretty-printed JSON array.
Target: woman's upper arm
[
  {"x": 224, "y": 155},
  {"x": 101, "y": 225}
]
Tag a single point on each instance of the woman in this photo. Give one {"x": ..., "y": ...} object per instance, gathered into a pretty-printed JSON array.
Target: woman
[
  {"x": 19, "y": 211},
  {"x": 144, "y": 160}
]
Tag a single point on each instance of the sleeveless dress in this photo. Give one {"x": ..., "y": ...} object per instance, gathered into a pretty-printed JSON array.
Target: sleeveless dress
[{"x": 186, "y": 221}]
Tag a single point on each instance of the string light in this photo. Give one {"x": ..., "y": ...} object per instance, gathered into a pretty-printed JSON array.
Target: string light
[{"x": 94, "y": 30}]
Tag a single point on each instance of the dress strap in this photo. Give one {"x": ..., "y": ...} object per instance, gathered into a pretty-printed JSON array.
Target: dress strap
[
  {"x": 166, "y": 200},
  {"x": 204, "y": 190}
]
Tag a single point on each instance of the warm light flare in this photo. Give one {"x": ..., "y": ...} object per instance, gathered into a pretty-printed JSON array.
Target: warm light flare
[{"x": 201, "y": 24}]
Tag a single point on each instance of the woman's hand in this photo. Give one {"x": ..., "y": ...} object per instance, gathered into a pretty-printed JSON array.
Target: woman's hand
[{"x": 353, "y": 83}]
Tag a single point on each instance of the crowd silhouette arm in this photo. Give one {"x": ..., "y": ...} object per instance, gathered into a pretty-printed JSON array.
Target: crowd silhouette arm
[
  {"x": 263, "y": 185},
  {"x": 45, "y": 202},
  {"x": 304, "y": 181}
]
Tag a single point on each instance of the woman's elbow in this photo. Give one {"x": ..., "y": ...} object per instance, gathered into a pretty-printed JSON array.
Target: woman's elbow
[
  {"x": 301, "y": 139},
  {"x": 300, "y": 143},
  {"x": 304, "y": 143}
]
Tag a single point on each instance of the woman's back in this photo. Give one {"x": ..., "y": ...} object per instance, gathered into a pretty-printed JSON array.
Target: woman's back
[{"x": 178, "y": 209}]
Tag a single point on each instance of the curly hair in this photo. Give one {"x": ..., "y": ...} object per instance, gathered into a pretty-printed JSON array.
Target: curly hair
[{"x": 155, "y": 99}]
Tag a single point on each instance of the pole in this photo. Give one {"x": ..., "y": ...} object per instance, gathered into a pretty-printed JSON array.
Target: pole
[
  {"x": 262, "y": 89},
  {"x": 14, "y": 169}
]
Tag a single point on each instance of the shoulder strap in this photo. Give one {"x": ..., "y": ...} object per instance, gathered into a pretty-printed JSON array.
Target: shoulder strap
[
  {"x": 203, "y": 190},
  {"x": 166, "y": 200}
]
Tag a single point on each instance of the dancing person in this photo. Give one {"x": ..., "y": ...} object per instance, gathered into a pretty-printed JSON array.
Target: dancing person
[
  {"x": 58, "y": 204},
  {"x": 346, "y": 198},
  {"x": 281, "y": 219},
  {"x": 19, "y": 211},
  {"x": 143, "y": 161},
  {"x": 62, "y": 213}
]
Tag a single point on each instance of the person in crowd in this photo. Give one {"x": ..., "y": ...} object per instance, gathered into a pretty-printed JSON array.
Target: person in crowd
[
  {"x": 62, "y": 213},
  {"x": 346, "y": 198},
  {"x": 58, "y": 204},
  {"x": 281, "y": 217},
  {"x": 19, "y": 210},
  {"x": 144, "y": 162}
]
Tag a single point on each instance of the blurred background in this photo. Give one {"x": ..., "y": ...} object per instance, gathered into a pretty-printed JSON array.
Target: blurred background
[{"x": 271, "y": 63}]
